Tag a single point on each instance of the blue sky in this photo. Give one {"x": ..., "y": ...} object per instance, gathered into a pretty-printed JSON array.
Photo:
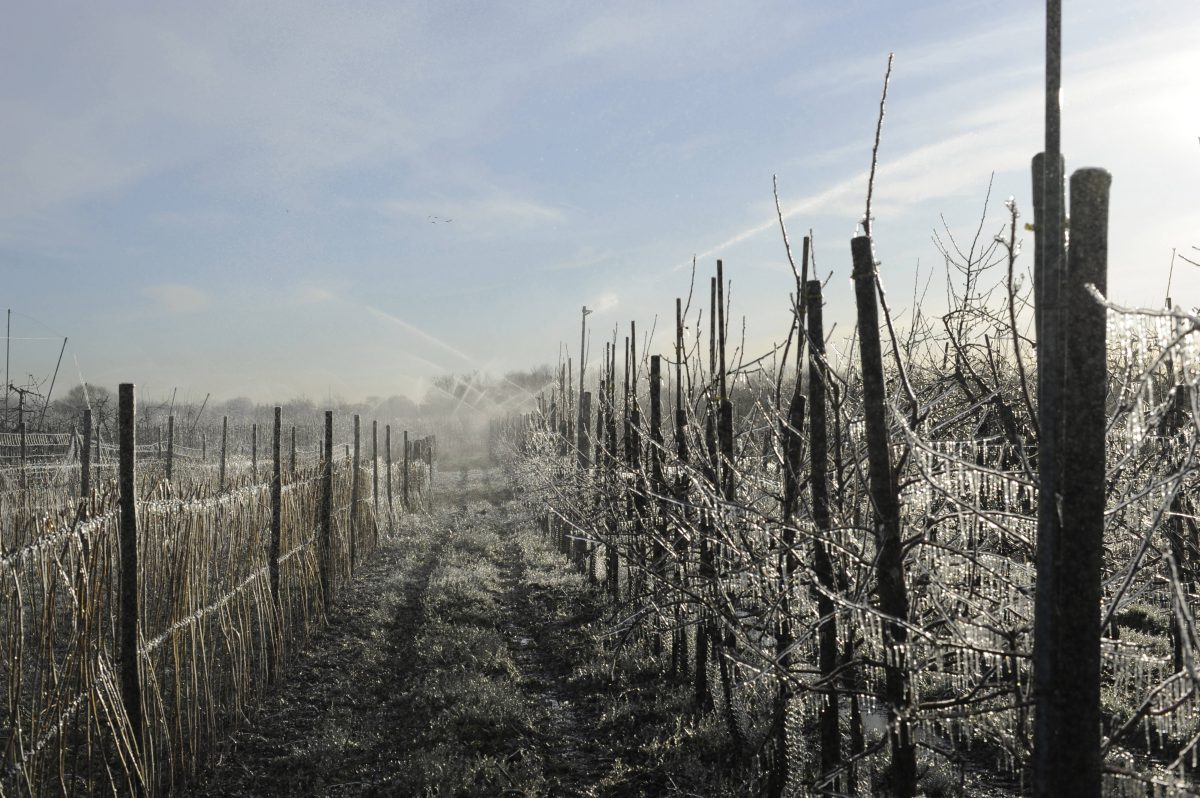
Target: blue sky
[{"x": 256, "y": 198}]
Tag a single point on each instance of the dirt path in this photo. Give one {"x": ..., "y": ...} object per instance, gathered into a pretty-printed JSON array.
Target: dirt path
[
  {"x": 325, "y": 732},
  {"x": 466, "y": 659},
  {"x": 537, "y": 637},
  {"x": 434, "y": 674}
]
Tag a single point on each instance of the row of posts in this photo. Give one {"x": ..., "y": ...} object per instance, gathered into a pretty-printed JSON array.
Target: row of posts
[
  {"x": 128, "y": 606},
  {"x": 421, "y": 450}
]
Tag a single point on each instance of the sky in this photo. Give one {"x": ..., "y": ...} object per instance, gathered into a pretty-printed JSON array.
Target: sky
[{"x": 282, "y": 199}]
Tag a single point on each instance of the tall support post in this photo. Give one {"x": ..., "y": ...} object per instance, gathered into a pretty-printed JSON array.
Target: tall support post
[
  {"x": 357, "y": 463},
  {"x": 584, "y": 446},
  {"x": 375, "y": 465},
  {"x": 611, "y": 558},
  {"x": 585, "y": 440},
  {"x": 292, "y": 457},
  {"x": 679, "y": 649},
  {"x": 727, "y": 489},
  {"x": 889, "y": 558},
  {"x": 601, "y": 462},
  {"x": 658, "y": 487},
  {"x": 406, "y": 453},
  {"x": 1074, "y": 745},
  {"x": 254, "y": 453},
  {"x": 1049, "y": 261},
  {"x": 326, "y": 530},
  {"x": 818, "y": 481},
  {"x": 131, "y": 688},
  {"x": 387, "y": 448},
  {"x": 707, "y": 570},
  {"x": 430, "y": 456},
  {"x": 170, "y": 446},
  {"x": 85, "y": 457},
  {"x": 634, "y": 431},
  {"x": 725, "y": 412}
]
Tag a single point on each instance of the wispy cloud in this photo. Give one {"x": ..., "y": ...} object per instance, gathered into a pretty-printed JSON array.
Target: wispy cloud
[
  {"x": 177, "y": 297},
  {"x": 475, "y": 214}
]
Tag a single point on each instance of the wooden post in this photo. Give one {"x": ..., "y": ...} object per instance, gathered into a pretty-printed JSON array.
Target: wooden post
[
  {"x": 725, "y": 410},
  {"x": 203, "y": 448},
  {"x": 387, "y": 448},
  {"x": 406, "y": 450},
  {"x": 254, "y": 453},
  {"x": 224, "y": 450},
  {"x": 601, "y": 462},
  {"x": 1048, "y": 278},
  {"x": 1050, "y": 726},
  {"x": 818, "y": 451},
  {"x": 658, "y": 484},
  {"x": 1074, "y": 690},
  {"x": 292, "y": 458},
  {"x": 354, "y": 494},
  {"x": 131, "y": 689},
  {"x": 585, "y": 441},
  {"x": 612, "y": 563},
  {"x": 276, "y": 504},
  {"x": 170, "y": 445},
  {"x": 326, "y": 530},
  {"x": 727, "y": 489},
  {"x": 585, "y": 462},
  {"x": 85, "y": 457},
  {"x": 889, "y": 559},
  {"x": 634, "y": 443},
  {"x": 375, "y": 466},
  {"x": 679, "y": 651},
  {"x": 703, "y": 692}
]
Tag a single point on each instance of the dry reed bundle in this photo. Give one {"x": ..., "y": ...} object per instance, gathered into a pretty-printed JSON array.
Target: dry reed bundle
[{"x": 212, "y": 636}]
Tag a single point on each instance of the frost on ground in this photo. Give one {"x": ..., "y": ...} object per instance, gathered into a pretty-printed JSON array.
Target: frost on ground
[{"x": 469, "y": 659}]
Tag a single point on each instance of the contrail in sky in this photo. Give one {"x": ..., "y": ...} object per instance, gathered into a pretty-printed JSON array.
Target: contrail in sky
[
  {"x": 417, "y": 331},
  {"x": 805, "y": 205}
]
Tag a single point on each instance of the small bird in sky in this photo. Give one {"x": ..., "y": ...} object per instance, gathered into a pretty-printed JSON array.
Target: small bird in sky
[{"x": 438, "y": 219}]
